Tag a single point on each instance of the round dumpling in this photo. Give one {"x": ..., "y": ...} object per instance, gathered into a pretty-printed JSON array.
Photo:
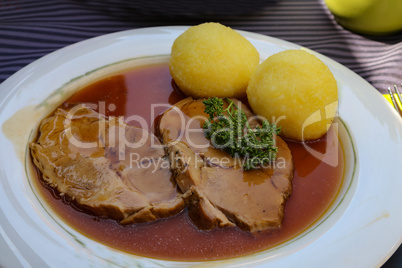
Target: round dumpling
[
  {"x": 210, "y": 60},
  {"x": 297, "y": 91}
]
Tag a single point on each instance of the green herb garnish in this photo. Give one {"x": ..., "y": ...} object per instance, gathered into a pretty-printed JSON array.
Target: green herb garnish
[{"x": 229, "y": 130}]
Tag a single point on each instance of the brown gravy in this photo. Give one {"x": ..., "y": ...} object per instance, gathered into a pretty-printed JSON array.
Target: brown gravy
[{"x": 315, "y": 183}]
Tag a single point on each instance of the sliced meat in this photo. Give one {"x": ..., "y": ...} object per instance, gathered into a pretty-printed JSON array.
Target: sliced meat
[
  {"x": 223, "y": 194},
  {"x": 186, "y": 167},
  {"x": 253, "y": 199},
  {"x": 106, "y": 166},
  {"x": 184, "y": 121}
]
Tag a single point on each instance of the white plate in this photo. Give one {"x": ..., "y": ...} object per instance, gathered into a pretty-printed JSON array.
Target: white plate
[{"x": 362, "y": 228}]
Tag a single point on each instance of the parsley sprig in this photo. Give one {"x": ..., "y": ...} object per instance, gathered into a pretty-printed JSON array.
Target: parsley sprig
[{"x": 229, "y": 130}]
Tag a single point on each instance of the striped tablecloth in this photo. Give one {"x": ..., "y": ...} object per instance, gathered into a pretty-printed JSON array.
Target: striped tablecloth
[{"x": 31, "y": 29}]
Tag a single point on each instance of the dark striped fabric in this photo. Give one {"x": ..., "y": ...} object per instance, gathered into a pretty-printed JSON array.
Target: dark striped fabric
[{"x": 30, "y": 29}]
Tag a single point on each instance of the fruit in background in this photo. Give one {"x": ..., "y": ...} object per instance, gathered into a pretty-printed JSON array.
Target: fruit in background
[{"x": 374, "y": 17}]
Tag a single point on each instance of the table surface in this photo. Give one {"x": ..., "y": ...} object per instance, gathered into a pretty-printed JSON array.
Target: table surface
[{"x": 31, "y": 29}]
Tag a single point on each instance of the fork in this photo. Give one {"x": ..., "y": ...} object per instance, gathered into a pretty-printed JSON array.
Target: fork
[{"x": 398, "y": 94}]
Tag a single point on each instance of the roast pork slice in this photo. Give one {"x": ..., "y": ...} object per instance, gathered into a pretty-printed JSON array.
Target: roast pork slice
[
  {"x": 222, "y": 195},
  {"x": 186, "y": 167},
  {"x": 253, "y": 199},
  {"x": 184, "y": 121},
  {"x": 90, "y": 159}
]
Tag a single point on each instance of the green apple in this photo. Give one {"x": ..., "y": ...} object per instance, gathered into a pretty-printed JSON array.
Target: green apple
[{"x": 368, "y": 16}]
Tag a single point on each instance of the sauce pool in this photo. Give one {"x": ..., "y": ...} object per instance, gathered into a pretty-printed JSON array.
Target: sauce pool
[{"x": 145, "y": 92}]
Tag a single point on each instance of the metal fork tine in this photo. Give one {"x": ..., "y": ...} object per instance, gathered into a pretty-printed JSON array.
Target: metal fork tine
[
  {"x": 398, "y": 94},
  {"x": 394, "y": 102},
  {"x": 391, "y": 94}
]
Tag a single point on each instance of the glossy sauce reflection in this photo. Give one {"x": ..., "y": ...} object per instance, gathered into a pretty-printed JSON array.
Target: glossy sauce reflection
[{"x": 315, "y": 183}]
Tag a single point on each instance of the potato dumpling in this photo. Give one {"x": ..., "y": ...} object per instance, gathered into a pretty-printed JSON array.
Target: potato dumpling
[
  {"x": 297, "y": 91},
  {"x": 212, "y": 60}
]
